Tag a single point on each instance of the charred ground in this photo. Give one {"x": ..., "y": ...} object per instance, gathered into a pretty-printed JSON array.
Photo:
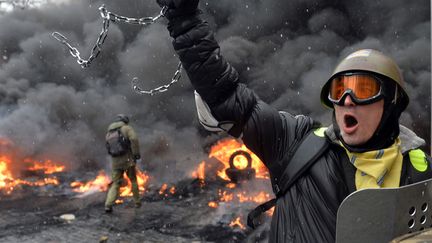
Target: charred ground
[{"x": 35, "y": 216}]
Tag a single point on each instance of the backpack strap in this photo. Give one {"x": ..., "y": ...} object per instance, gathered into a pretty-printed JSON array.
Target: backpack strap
[
  {"x": 115, "y": 129},
  {"x": 312, "y": 146}
]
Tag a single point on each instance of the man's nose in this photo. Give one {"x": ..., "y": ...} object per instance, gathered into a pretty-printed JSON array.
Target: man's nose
[{"x": 348, "y": 101}]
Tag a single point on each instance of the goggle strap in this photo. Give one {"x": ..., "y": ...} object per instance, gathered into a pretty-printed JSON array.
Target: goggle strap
[{"x": 396, "y": 95}]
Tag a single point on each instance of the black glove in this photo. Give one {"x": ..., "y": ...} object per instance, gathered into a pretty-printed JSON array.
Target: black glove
[{"x": 179, "y": 8}]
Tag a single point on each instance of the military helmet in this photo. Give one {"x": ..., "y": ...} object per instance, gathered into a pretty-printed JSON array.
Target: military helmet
[
  {"x": 372, "y": 61},
  {"x": 123, "y": 118}
]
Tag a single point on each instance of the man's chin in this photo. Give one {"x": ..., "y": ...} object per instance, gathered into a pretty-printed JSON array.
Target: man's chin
[{"x": 352, "y": 140}]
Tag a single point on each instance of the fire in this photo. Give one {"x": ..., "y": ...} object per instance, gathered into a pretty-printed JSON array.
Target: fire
[
  {"x": 223, "y": 151},
  {"x": 6, "y": 179},
  {"x": 200, "y": 172},
  {"x": 142, "y": 180},
  {"x": 48, "y": 166},
  {"x": 102, "y": 182},
  {"x": 261, "y": 197},
  {"x": 163, "y": 189},
  {"x": 172, "y": 190},
  {"x": 242, "y": 197},
  {"x": 240, "y": 162},
  {"x": 238, "y": 223},
  {"x": 43, "y": 182},
  {"x": 213, "y": 204},
  {"x": 225, "y": 196},
  {"x": 8, "y": 182},
  {"x": 230, "y": 185},
  {"x": 99, "y": 184}
]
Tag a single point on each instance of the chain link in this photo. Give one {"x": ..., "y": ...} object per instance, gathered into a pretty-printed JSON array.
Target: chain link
[
  {"x": 107, "y": 17},
  {"x": 161, "y": 89},
  {"x": 141, "y": 21}
]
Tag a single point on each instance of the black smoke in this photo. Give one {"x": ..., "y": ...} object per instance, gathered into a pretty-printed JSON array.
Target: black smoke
[{"x": 284, "y": 50}]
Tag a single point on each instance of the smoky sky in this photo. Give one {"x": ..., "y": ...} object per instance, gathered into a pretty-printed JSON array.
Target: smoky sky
[{"x": 283, "y": 50}]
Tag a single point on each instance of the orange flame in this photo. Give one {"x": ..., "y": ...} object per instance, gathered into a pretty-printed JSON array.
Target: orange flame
[
  {"x": 48, "y": 166},
  {"x": 172, "y": 190},
  {"x": 142, "y": 179},
  {"x": 99, "y": 184},
  {"x": 223, "y": 150},
  {"x": 102, "y": 182},
  {"x": 261, "y": 197},
  {"x": 240, "y": 162},
  {"x": 230, "y": 185},
  {"x": 238, "y": 223},
  {"x": 225, "y": 196},
  {"x": 163, "y": 189},
  {"x": 6, "y": 179},
  {"x": 8, "y": 182},
  {"x": 213, "y": 204},
  {"x": 200, "y": 172}
]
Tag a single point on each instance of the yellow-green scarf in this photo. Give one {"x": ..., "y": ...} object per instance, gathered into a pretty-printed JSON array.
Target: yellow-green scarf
[{"x": 378, "y": 168}]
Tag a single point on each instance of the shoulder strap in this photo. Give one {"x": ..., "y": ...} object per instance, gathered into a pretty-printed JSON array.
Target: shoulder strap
[
  {"x": 115, "y": 129},
  {"x": 310, "y": 149},
  {"x": 307, "y": 153}
]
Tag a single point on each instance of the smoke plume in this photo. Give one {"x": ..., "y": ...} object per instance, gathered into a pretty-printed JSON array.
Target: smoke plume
[{"x": 284, "y": 50}]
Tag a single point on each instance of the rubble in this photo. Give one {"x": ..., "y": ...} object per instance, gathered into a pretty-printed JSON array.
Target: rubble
[{"x": 67, "y": 217}]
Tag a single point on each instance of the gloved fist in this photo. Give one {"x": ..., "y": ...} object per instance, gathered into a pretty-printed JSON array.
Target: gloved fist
[{"x": 179, "y": 8}]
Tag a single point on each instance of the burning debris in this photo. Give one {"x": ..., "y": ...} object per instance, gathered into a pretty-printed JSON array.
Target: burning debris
[
  {"x": 50, "y": 105},
  {"x": 234, "y": 154},
  {"x": 208, "y": 188},
  {"x": 240, "y": 166},
  {"x": 8, "y": 179}
]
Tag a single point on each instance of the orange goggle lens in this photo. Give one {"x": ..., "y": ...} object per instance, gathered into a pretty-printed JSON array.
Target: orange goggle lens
[{"x": 363, "y": 86}]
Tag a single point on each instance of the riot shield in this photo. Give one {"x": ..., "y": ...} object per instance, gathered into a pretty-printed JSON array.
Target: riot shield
[{"x": 380, "y": 215}]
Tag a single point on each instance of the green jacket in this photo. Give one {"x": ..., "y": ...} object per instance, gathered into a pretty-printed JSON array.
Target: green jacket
[{"x": 127, "y": 160}]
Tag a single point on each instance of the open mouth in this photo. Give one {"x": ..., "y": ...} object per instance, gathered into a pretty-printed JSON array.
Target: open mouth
[{"x": 350, "y": 121}]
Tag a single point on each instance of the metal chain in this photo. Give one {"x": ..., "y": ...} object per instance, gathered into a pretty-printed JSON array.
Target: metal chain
[
  {"x": 95, "y": 50},
  {"x": 141, "y": 21},
  {"x": 107, "y": 17},
  {"x": 176, "y": 77}
]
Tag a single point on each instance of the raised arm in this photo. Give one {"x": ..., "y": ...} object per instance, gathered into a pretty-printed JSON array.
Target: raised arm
[{"x": 223, "y": 102}]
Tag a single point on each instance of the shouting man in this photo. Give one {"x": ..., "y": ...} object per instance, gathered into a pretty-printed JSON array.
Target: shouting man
[{"x": 365, "y": 146}]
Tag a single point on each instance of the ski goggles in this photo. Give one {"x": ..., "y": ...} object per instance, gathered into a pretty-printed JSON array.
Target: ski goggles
[{"x": 362, "y": 88}]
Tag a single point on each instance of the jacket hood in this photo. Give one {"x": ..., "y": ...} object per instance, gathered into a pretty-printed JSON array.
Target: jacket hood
[
  {"x": 409, "y": 140},
  {"x": 115, "y": 125}
]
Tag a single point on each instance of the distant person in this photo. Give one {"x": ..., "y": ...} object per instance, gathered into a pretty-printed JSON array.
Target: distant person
[
  {"x": 123, "y": 146},
  {"x": 364, "y": 147}
]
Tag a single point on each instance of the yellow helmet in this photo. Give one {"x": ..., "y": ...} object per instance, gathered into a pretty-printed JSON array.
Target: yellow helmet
[{"x": 370, "y": 61}]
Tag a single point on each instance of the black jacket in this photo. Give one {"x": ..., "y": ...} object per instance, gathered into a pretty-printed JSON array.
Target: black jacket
[{"x": 307, "y": 212}]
